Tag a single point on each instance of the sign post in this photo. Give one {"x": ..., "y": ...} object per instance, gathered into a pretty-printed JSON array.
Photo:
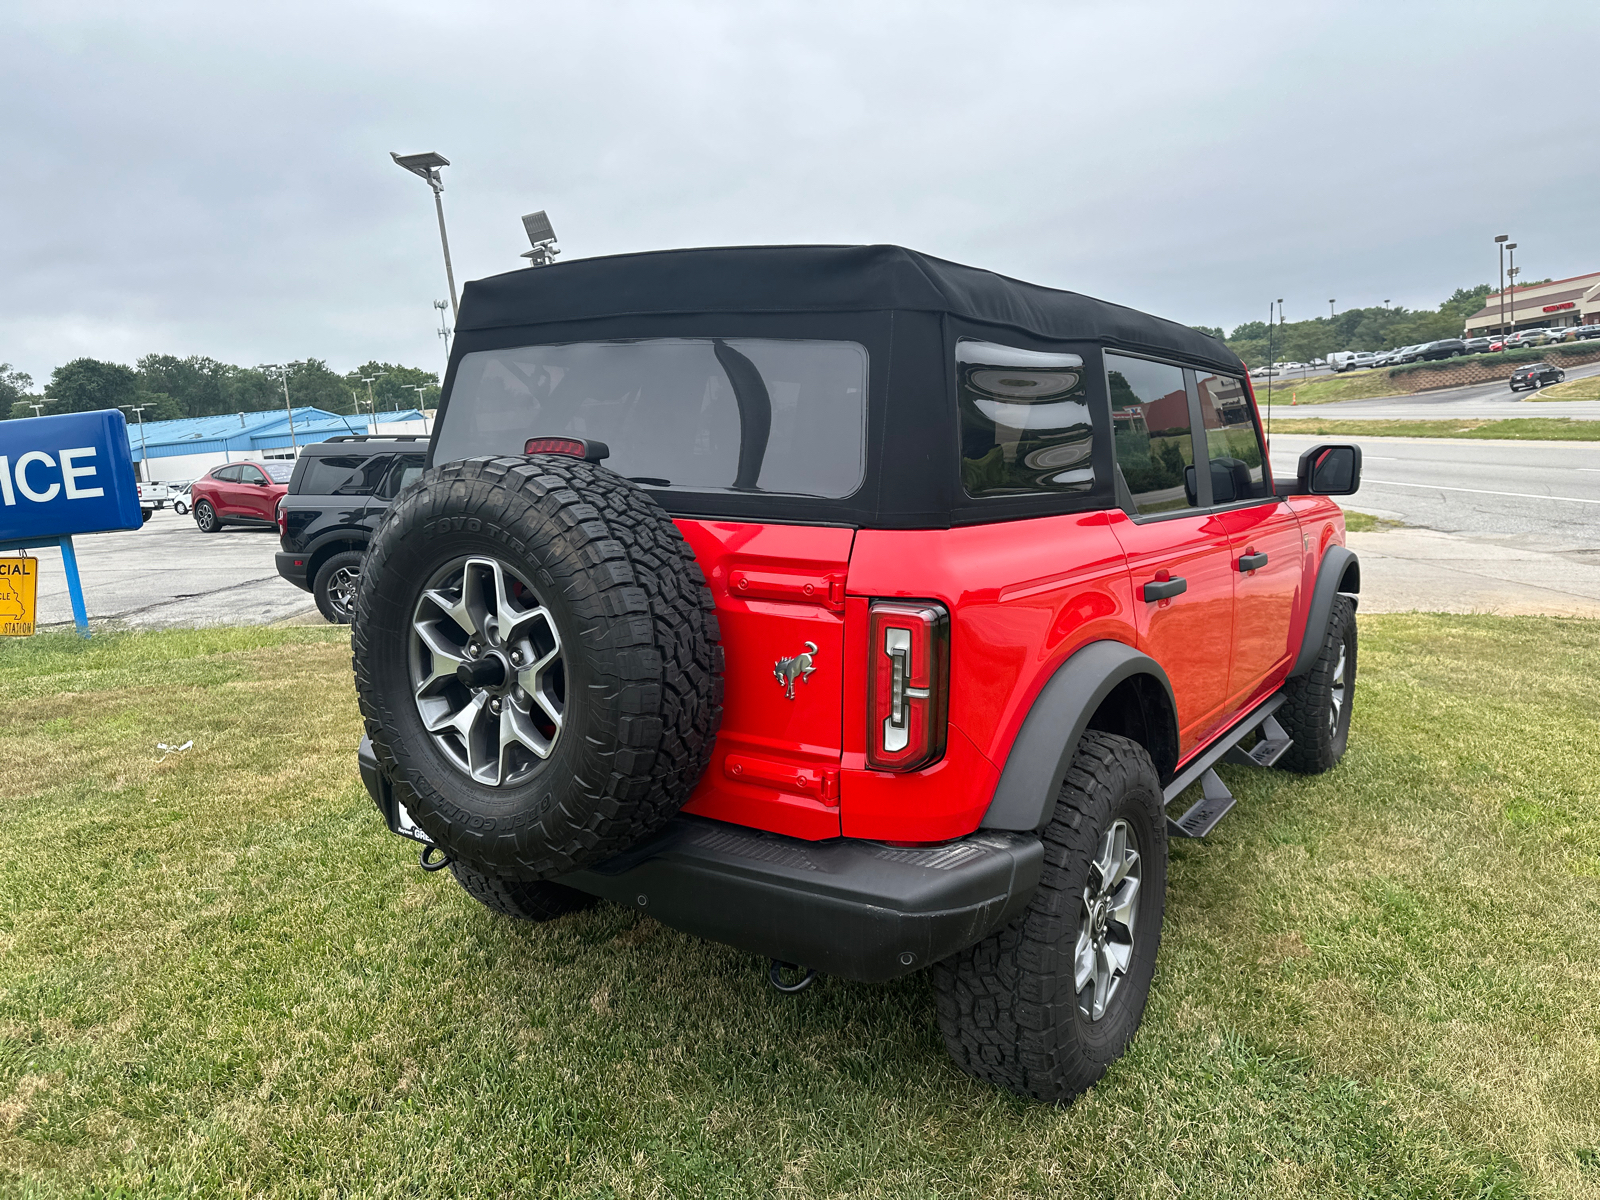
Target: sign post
[{"x": 61, "y": 476}]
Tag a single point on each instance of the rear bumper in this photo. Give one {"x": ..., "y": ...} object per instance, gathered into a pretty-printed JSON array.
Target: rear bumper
[
  {"x": 857, "y": 909},
  {"x": 293, "y": 568}
]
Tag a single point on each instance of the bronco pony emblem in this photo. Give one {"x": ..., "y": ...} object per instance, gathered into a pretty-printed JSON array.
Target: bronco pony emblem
[{"x": 799, "y": 667}]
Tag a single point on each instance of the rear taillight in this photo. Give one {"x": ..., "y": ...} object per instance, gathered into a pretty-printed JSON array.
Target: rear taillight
[
  {"x": 282, "y": 518},
  {"x": 908, "y": 684}
]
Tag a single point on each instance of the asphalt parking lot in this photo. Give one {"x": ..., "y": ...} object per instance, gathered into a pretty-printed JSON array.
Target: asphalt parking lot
[{"x": 171, "y": 574}]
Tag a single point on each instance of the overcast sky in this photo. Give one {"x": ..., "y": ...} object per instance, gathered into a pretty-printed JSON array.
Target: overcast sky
[{"x": 204, "y": 178}]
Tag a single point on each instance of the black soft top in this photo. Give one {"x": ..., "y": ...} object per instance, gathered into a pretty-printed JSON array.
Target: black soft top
[
  {"x": 907, "y": 309},
  {"x": 818, "y": 279}
]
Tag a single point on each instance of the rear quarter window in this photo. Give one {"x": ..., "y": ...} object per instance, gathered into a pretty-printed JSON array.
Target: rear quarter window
[
  {"x": 343, "y": 474},
  {"x": 1025, "y": 421}
]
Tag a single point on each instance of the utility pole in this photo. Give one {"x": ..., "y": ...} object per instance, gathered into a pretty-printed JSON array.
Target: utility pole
[
  {"x": 426, "y": 167},
  {"x": 1330, "y": 310},
  {"x": 1500, "y": 243},
  {"x": 144, "y": 458}
]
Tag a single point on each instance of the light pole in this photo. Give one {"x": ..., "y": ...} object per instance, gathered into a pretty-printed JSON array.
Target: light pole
[
  {"x": 138, "y": 412},
  {"x": 1511, "y": 282},
  {"x": 444, "y": 332},
  {"x": 426, "y": 166},
  {"x": 1500, "y": 244},
  {"x": 419, "y": 388},
  {"x": 283, "y": 374},
  {"x": 1330, "y": 310},
  {"x": 371, "y": 403}
]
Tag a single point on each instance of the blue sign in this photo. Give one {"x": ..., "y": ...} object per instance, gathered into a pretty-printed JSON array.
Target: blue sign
[{"x": 65, "y": 475}]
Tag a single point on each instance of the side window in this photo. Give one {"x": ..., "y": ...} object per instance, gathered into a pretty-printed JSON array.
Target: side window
[
  {"x": 407, "y": 470},
  {"x": 1232, "y": 443},
  {"x": 226, "y": 474},
  {"x": 251, "y": 475},
  {"x": 1025, "y": 425},
  {"x": 1155, "y": 444}
]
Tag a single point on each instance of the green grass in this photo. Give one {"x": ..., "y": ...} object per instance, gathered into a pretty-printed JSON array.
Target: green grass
[
  {"x": 1359, "y": 385},
  {"x": 1555, "y": 429},
  {"x": 220, "y": 977},
  {"x": 1360, "y": 522},
  {"x": 1587, "y": 388}
]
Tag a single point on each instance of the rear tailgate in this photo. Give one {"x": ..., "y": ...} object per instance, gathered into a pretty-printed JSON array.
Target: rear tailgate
[{"x": 779, "y": 591}]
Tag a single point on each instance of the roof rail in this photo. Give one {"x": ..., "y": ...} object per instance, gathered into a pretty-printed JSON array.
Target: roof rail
[{"x": 378, "y": 437}]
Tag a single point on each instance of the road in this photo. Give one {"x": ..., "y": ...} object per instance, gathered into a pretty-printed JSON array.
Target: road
[
  {"x": 1480, "y": 401},
  {"x": 1502, "y": 526},
  {"x": 170, "y": 574}
]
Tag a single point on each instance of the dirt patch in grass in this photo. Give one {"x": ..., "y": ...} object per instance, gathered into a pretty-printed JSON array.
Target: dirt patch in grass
[
  {"x": 220, "y": 976},
  {"x": 1521, "y": 429}
]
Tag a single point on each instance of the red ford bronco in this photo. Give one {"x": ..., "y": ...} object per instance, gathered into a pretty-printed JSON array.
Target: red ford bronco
[{"x": 857, "y": 609}]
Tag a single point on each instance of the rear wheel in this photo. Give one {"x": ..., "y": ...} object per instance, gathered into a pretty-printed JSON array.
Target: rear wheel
[
  {"x": 1046, "y": 1005},
  {"x": 335, "y": 586},
  {"x": 1316, "y": 713},
  {"x": 206, "y": 517},
  {"x": 523, "y": 900}
]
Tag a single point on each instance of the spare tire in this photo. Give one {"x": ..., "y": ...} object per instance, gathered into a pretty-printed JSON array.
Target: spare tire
[{"x": 537, "y": 659}]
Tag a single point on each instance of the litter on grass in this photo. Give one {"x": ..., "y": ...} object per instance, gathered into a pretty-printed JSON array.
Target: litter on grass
[{"x": 171, "y": 750}]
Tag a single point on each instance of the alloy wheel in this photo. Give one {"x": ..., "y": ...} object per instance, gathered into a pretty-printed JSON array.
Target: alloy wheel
[
  {"x": 1106, "y": 926},
  {"x": 342, "y": 590},
  {"x": 1338, "y": 691},
  {"x": 487, "y": 671}
]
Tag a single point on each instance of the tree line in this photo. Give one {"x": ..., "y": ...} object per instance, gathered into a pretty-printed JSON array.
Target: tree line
[
  {"x": 168, "y": 387},
  {"x": 1379, "y": 328}
]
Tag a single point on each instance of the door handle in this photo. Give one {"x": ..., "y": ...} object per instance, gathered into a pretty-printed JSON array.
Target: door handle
[
  {"x": 1165, "y": 589},
  {"x": 1252, "y": 562}
]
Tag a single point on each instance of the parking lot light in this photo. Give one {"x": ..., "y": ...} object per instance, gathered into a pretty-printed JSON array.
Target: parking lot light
[
  {"x": 138, "y": 413},
  {"x": 542, "y": 236},
  {"x": 283, "y": 370},
  {"x": 426, "y": 166}
]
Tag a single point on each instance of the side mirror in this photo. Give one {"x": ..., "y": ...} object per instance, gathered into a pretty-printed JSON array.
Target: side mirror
[
  {"x": 1330, "y": 470},
  {"x": 1191, "y": 489}
]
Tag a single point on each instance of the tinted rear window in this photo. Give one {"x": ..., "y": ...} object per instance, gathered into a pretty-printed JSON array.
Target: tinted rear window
[
  {"x": 705, "y": 414},
  {"x": 343, "y": 474}
]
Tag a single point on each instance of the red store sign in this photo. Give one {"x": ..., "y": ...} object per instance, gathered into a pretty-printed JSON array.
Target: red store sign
[{"x": 1558, "y": 307}]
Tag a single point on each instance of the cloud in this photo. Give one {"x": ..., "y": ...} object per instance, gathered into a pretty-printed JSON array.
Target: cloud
[{"x": 214, "y": 179}]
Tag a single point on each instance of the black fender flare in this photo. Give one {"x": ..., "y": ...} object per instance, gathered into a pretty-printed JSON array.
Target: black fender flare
[
  {"x": 334, "y": 541},
  {"x": 1339, "y": 568},
  {"x": 1025, "y": 798}
]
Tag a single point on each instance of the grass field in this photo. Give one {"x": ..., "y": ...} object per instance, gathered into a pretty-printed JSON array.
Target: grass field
[
  {"x": 220, "y": 977},
  {"x": 1362, "y": 385},
  {"x": 1519, "y": 429},
  {"x": 1587, "y": 388}
]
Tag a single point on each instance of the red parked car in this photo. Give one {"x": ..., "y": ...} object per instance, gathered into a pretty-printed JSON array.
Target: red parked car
[
  {"x": 860, "y": 610},
  {"x": 244, "y": 493}
]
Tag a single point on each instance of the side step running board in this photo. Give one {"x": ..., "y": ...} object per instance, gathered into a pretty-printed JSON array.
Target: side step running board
[{"x": 1216, "y": 801}]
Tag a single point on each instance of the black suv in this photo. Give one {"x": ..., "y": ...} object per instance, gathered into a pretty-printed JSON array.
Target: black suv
[
  {"x": 336, "y": 498},
  {"x": 1446, "y": 348},
  {"x": 1535, "y": 375}
]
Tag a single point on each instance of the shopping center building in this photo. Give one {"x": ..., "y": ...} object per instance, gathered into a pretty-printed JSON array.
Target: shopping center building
[{"x": 1556, "y": 305}]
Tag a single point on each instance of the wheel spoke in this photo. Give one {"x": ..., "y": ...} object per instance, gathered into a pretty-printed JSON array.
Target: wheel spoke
[
  {"x": 516, "y": 729},
  {"x": 1125, "y": 908},
  {"x": 1083, "y": 961},
  {"x": 453, "y": 607}
]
